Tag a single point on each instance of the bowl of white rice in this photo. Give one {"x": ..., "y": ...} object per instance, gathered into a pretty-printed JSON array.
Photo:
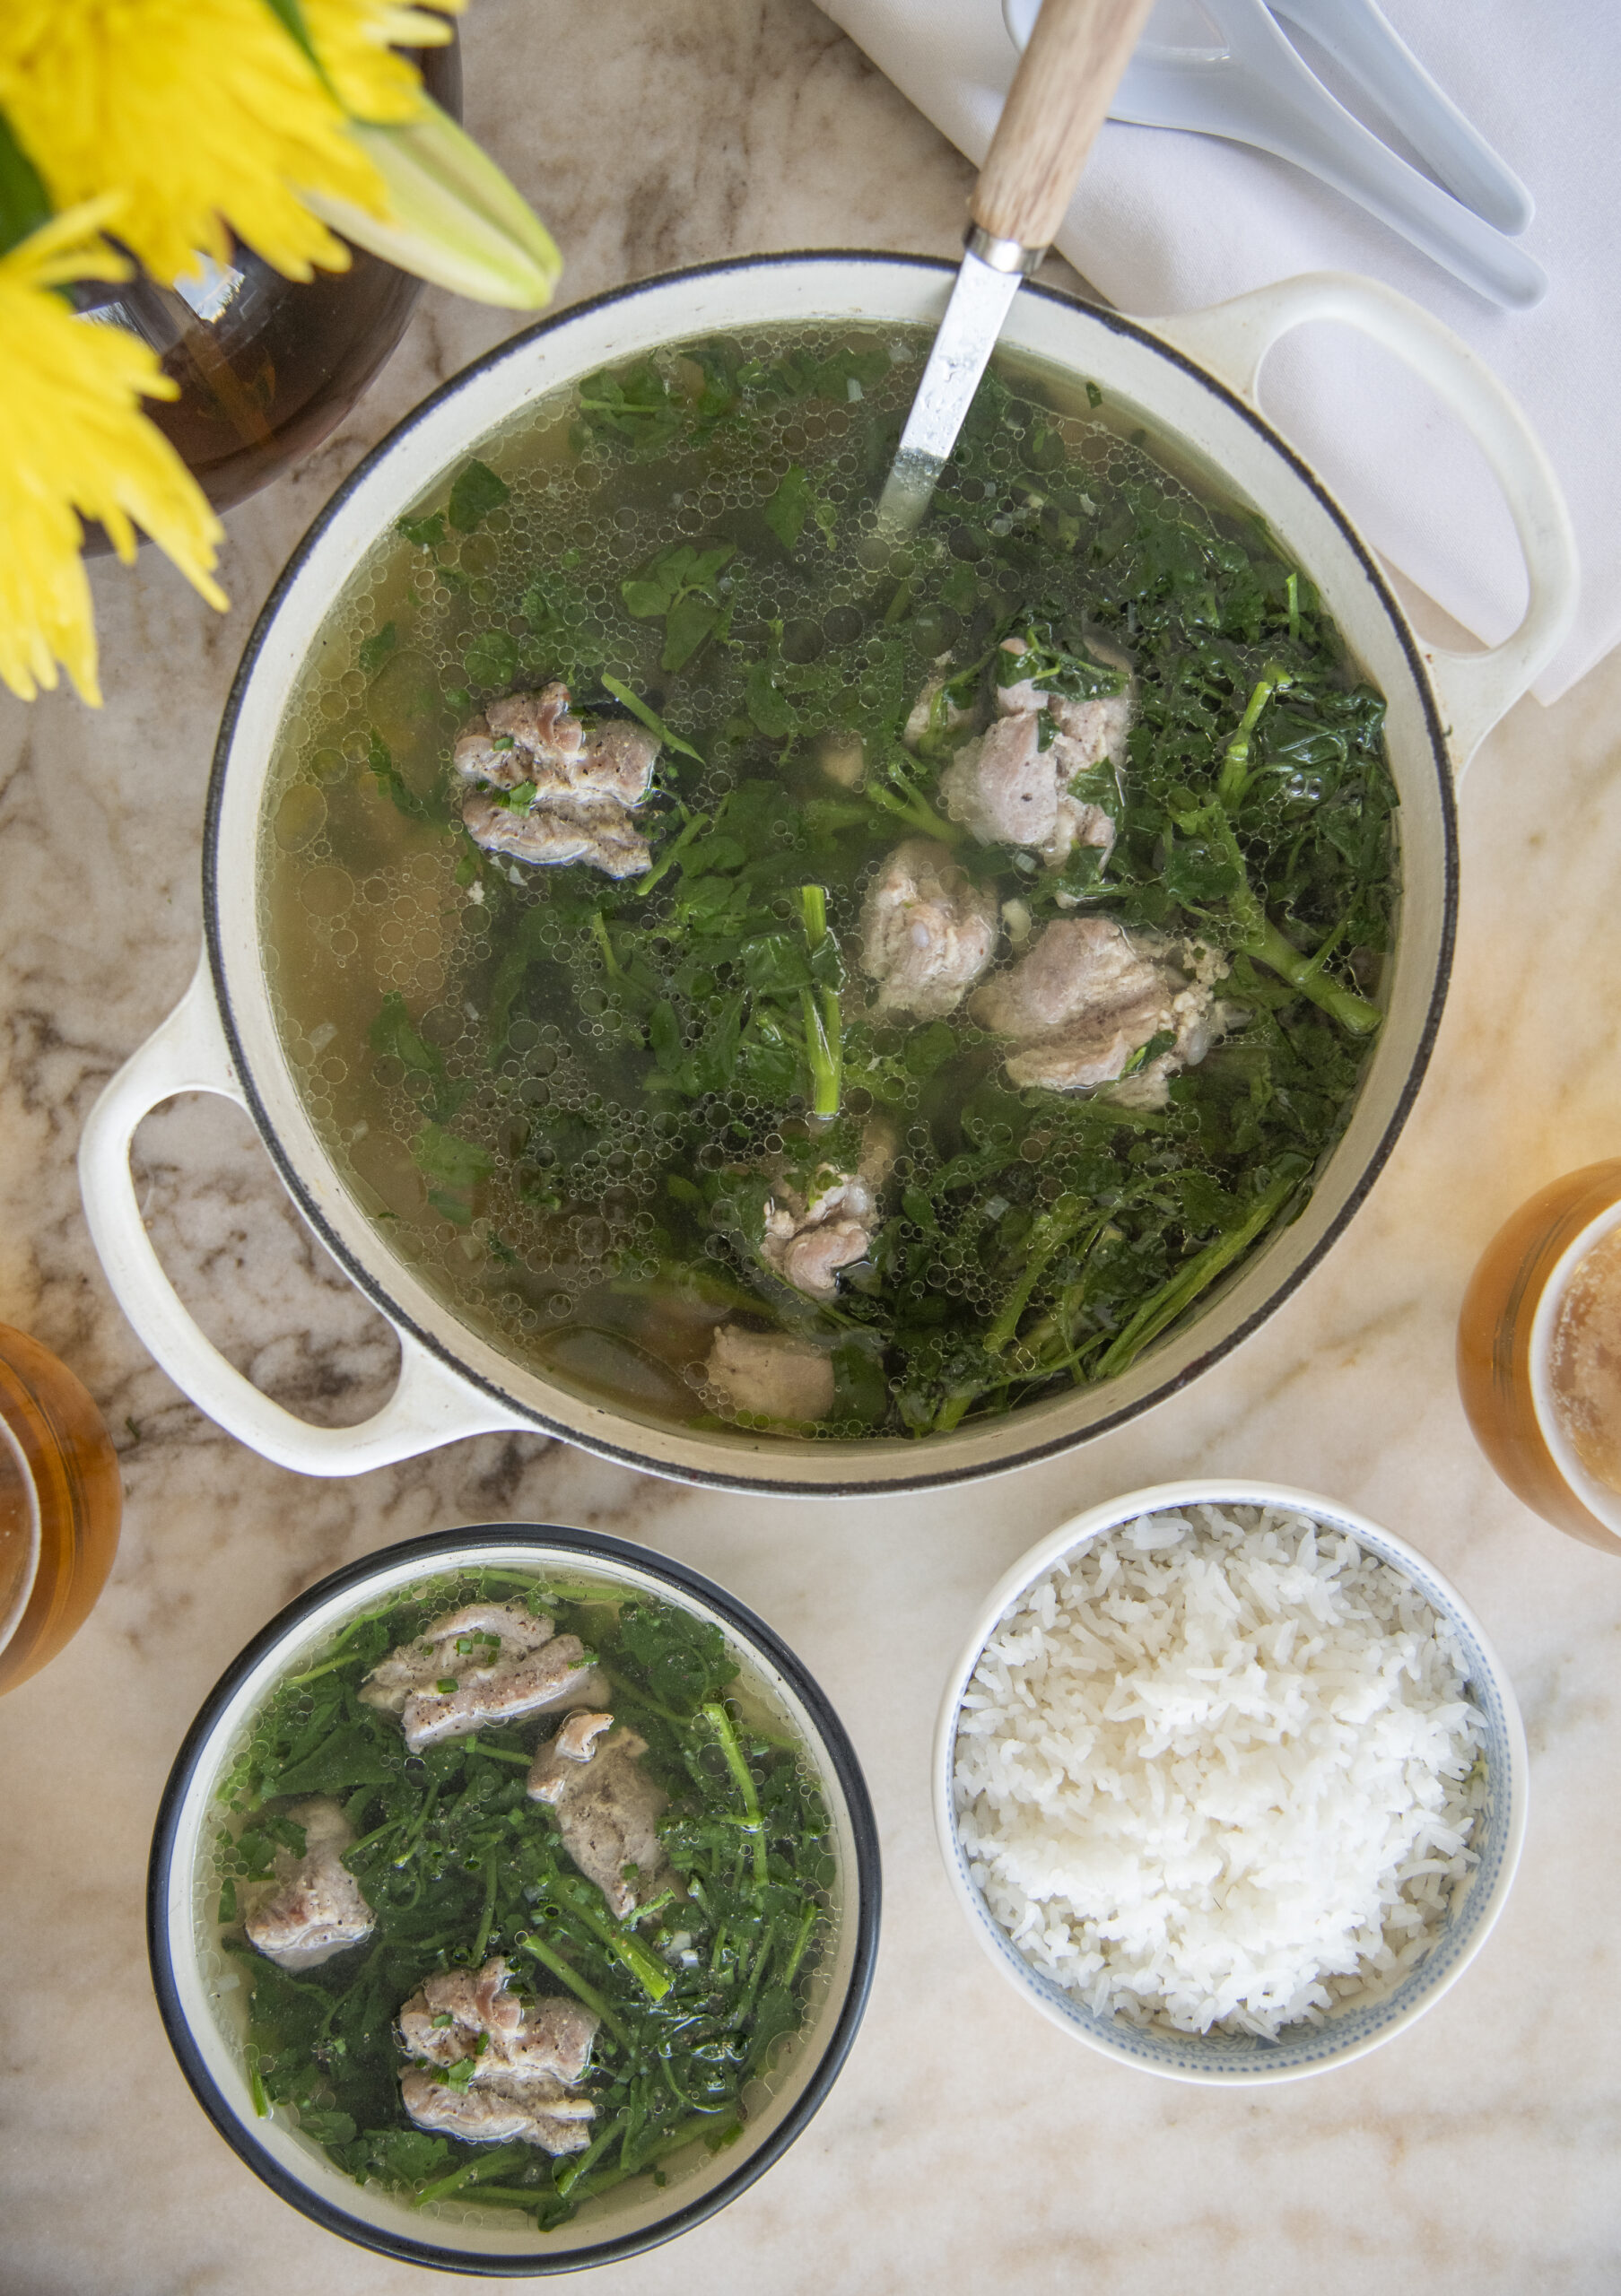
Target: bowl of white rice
[{"x": 1229, "y": 1782}]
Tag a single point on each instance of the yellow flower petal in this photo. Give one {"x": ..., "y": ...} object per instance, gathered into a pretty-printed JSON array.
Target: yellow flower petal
[
  {"x": 206, "y": 113},
  {"x": 76, "y": 443},
  {"x": 352, "y": 39}
]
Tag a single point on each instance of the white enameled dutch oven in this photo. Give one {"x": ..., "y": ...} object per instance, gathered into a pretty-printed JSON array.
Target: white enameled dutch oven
[{"x": 1192, "y": 379}]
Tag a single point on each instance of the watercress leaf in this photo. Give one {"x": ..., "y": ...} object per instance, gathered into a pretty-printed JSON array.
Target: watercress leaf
[
  {"x": 664, "y": 1036},
  {"x": 427, "y": 533},
  {"x": 376, "y": 649},
  {"x": 490, "y": 658},
  {"x": 1302, "y": 741},
  {"x": 325, "y": 2127},
  {"x": 1196, "y": 877},
  {"x": 928, "y": 1050},
  {"x": 771, "y": 1068},
  {"x": 477, "y": 491},
  {"x": 689, "y": 622},
  {"x": 776, "y": 2014},
  {"x": 664, "y": 579},
  {"x": 776, "y": 964},
  {"x": 738, "y": 1207},
  {"x": 684, "y": 1658},
  {"x": 832, "y": 377},
  {"x": 353, "y": 1755},
  {"x": 707, "y": 564},
  {"x": 444, "y": 1156},
  {"x": 633, "y": 406},
  {"x": 1207, "y": 1205},
  {"x": 789, "y": 507},
  {"x": 392, "y": 1033},
  {"x": 404, "y": 2156},
  {"x": 860, "y": 1384},
  {"x": 827, "y": 964},
  {"x": 644, "y": 599},
  {"x": 715, "y": 855},
  {"x": 555, "y": 609},
  {"x": 716, "y": 1055},
  {"x": 393, "y": 785},
  {"x": 771, "y": 711}
]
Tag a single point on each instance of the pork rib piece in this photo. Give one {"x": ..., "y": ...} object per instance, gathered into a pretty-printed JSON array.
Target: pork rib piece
[
  {"x": 526, "y": 2060},
  {"x": 445, "y": 2019},
  {"x": 543, "y": 2114},
  {"x": 559, "y": 831},
  {"x": 1011, "y": 787},
  {"x": 928, "y": 932},
  {"x": 607, "y": 1806},
  {"x": 317, "y": 1907},
  {"x": 1089, "y": 996},
  {"x": 586, "y": 781},
  {"x": 479, "y": 1632},
  {"x": 490, "y": 1663},
  {"x": 771, "y": 1373}
]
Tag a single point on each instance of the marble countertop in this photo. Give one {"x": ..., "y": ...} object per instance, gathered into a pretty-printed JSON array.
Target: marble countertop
[{"x": 967, "y": 2140}]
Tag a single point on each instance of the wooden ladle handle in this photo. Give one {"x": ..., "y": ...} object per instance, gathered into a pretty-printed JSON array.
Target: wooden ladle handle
[{"x": 1059, "y": 98}]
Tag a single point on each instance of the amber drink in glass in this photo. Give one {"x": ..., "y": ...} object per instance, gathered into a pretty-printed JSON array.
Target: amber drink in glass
[
  {"x": 1539, "y": 1355},
  {"x": 61, "y": 1499}
]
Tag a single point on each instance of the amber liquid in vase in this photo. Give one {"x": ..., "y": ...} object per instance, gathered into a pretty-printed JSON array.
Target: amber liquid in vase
[{"x": 266, "y": 367}]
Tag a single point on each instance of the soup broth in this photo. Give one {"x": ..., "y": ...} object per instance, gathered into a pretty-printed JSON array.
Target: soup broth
[{"x": 605, "y": 1119}]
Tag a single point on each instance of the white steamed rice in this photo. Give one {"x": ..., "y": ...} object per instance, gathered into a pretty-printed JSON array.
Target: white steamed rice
[{"x": 1219, "y": 1772}]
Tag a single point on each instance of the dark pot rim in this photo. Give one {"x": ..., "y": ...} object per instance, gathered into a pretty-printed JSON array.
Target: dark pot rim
[
  {"x": 743, "y": 1477},
  {"x": 862, "y": 1907}
]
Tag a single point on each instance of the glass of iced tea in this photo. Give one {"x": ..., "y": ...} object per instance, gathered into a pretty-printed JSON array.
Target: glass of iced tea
[
  {"x": 61, "y": 1499},
  {"x": 1539, "y": 1355}
]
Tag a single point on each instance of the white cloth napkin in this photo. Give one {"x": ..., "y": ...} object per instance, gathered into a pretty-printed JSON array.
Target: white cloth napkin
[{"x": 1167, "y": 222}]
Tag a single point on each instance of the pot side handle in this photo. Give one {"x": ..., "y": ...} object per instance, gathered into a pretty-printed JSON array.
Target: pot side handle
[
  {"x": 430, "y": 1405},
  {"x": 1232, "y": 339}
]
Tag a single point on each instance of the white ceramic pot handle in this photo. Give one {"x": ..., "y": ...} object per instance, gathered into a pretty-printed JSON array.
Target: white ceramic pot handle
[
  {"x": 1232, "y": 339},
  {"x": 430, "y": 1405}
]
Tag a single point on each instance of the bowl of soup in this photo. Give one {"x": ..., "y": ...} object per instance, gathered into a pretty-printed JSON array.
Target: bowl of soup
[
  {"x": 784, "y": 1008},
  {"x": 513, "y": 1900}
]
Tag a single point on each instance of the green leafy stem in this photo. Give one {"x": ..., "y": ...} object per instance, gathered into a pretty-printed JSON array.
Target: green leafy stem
[
  {"x": 819, "y": 1010},
  {"x": 893, "y": 789},
  {"x": 1253, "y": 932},
  {"x": 577, "y": 1898},
  {"x": 720, "y": 1722},
  {"x": 1162, "y": 1307}
]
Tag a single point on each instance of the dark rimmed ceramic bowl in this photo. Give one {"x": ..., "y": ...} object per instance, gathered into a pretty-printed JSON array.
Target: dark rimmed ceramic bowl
[{"x": 196, "y": 1995}]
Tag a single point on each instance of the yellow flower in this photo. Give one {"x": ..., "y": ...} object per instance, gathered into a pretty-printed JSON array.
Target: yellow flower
[
  {"x": 76, "y": 443},
  {"x": 352, "y": 39},
  {"x": 206, "y": 113}
]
